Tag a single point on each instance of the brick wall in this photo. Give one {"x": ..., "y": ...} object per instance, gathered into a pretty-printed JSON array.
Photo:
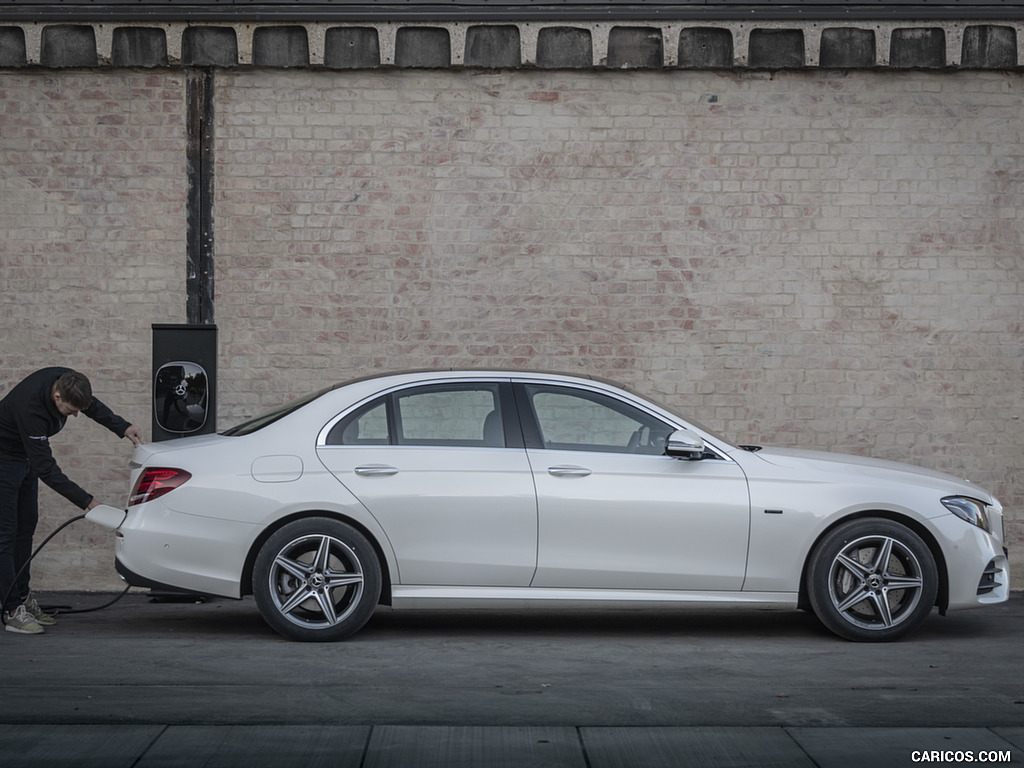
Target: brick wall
[
  {"x": 804, "y": 257},
  {"x": 92, "y": 187}
]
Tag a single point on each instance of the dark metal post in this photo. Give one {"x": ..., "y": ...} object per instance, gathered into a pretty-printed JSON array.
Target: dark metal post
[{"x": 199, "y": 152}]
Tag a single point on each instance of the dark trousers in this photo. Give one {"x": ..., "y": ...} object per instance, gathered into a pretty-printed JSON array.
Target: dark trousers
[{"x": 19, "y": 513}]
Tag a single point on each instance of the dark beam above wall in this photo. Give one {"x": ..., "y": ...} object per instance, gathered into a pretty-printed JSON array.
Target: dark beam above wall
[{"x": 512, "y": 10}]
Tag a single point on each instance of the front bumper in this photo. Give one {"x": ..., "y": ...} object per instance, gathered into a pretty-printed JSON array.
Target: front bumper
[{"x": 976, "y": 564}]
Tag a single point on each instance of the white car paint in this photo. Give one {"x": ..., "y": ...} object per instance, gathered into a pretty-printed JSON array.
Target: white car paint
[
  {"x": 516, "y": 525},
  {"x": 454, "y": 516}
]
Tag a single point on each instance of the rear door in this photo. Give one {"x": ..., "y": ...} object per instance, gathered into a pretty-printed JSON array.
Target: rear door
[{"x": 443, "y": 469}]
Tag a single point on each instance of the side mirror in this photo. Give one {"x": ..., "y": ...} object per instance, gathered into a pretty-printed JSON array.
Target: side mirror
[
  {"x": 180, "y": 397},
  {"x": 684, "y": 445}
]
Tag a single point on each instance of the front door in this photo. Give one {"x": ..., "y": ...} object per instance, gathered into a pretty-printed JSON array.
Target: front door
[{"x": 616, "y": 513}]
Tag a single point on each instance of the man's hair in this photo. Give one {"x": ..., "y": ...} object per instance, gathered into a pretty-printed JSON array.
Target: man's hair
[{"x": 75, "y": 390}]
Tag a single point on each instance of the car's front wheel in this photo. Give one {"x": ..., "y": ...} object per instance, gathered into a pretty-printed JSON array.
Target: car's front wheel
[
  {"x": 317, "y": 579},
  {"x": 872, "y": 580}
]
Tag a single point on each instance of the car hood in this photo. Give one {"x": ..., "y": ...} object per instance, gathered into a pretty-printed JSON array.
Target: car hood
[{"x": 810, "y": 462}]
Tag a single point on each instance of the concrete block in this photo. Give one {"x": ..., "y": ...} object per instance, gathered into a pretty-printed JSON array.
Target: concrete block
[
  {"x": 760, "y": 745},
  {"x": 139, "y": 47},
  {"x": 351, "y": 48},
  {"x": 842, "y": 746},
  {"x": 254, "y": 745},
  {"x": 209, "y": 47},
  {"x": 12, "y": 47},
  {"x": 847, "y": 48},
  {"x": 989, "y": 47},
  {"x": 565, "y": 48},
  {"x": 494, "y": 47},
  {"x": 776, "y": 49},
  {"x": 400, "y": 746},
  {"x": 280, "y": 47},
  {"x": 923, "y": 48},
  {"x": 86, "y": 746},
  {"x": 423, "y": 47},
  {"x": 635, "y": 47},
  {"x": 705, "y": 48},
  {"x": 68, "y": 46}
]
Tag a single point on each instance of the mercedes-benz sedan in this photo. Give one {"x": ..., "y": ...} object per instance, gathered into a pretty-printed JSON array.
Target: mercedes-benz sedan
[{"x": 516, "y": 489}]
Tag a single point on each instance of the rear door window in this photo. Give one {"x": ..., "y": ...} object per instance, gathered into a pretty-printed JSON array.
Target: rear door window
[{"x": 459, "y": 415}]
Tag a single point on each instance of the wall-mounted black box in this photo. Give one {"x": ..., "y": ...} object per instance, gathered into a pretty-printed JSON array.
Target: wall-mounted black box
[{"x": 184, "y": 380}]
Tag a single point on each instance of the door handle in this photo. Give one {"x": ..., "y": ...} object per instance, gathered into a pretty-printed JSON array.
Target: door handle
[
  {"x": 371, "y": 470},
  {"x": 568, "y": 471}
]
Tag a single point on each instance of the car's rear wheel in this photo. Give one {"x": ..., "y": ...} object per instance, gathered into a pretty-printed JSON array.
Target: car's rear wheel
[
  {"x": 872, "y": 580},
  {"x": 317, "y": 579}
]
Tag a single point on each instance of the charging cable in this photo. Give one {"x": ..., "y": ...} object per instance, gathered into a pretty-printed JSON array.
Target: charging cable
[{"x": 3, "y": 613}]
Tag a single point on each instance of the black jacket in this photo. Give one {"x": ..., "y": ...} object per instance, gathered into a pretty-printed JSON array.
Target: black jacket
[{"x": 29, "y": 418}]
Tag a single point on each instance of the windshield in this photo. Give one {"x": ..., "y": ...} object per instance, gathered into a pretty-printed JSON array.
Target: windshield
[{"x": 255, "y": 424}]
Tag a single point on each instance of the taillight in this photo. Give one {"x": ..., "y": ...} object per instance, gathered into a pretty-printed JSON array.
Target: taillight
[{"x": 155, "y": 482}]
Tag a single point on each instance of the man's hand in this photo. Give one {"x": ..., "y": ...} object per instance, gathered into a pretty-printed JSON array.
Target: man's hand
[{"x": 134, "y": 434}]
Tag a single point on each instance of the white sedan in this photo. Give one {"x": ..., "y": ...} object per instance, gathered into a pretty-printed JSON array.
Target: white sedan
[{"x": 474, "y": 488}]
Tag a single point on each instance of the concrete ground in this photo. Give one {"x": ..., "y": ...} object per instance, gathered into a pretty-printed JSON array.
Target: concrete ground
[{"x": 145, "y": 683}]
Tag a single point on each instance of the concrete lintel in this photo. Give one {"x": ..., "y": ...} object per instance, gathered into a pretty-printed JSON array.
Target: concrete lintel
[{"x": 969, "y": 44}]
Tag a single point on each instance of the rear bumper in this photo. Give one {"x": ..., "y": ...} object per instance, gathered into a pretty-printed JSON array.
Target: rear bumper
[{"x": 164, "y": 549}]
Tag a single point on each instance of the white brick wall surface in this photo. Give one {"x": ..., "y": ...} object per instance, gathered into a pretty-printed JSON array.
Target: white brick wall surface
[
  {"x": 92, "y": 234},
  {"x": 798, "y": 258}
]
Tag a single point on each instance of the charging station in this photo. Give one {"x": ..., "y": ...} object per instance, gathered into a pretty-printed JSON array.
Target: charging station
[{"x": 184, "y": 381}]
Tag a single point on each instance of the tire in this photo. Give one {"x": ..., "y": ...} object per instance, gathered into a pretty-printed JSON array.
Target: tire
[
  {"x": 872, "y": 580},
  {"x": 317, "y": 580}
]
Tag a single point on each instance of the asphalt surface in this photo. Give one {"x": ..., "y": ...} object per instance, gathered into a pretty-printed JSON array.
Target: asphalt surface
[{"x": 144, "y": 683}]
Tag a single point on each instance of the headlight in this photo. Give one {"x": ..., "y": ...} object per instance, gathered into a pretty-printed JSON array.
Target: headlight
[{"x": 971, "y": 510}]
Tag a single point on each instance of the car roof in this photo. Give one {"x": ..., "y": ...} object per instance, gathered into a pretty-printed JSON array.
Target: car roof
[{"x": 463, "y": 372}]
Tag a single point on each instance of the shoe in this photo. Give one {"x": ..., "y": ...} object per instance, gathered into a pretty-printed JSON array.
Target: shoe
[
  {"x": 22, "y": 622},
  {"x": 41, "y": 616}
]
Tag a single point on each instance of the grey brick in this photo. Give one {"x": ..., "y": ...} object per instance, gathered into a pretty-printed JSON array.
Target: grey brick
[
  {"x": 705, "y": 48},
  {"x": 280, "y": 47},
  {"x": 351, "y": 48},
  {"x": 68, "y": 46},
  {"x": 847, "y": 48},
  {"x": 12, "y": 47},
  {"x": 565, "y": 48},
  {"x": 209, "y": 47},
  {"x": 776, "y": 49},
  {"x": 635, "y": 47},
  {"x": 495, "y": 47},
  {"x": 989, "y": 47},
  {"x": 139, "y": 47},
  {"x": 918, "y": 48},
  {"x": 424, "y": 47}
]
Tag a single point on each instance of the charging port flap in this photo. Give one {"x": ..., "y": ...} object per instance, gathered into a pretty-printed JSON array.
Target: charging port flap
[{"x": 106, "y": 516}]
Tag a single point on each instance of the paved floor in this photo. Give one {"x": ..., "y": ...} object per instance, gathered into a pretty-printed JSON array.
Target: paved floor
[
  {"x": 409, "y": 746},
  {"x": 146, "y": 683}
]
